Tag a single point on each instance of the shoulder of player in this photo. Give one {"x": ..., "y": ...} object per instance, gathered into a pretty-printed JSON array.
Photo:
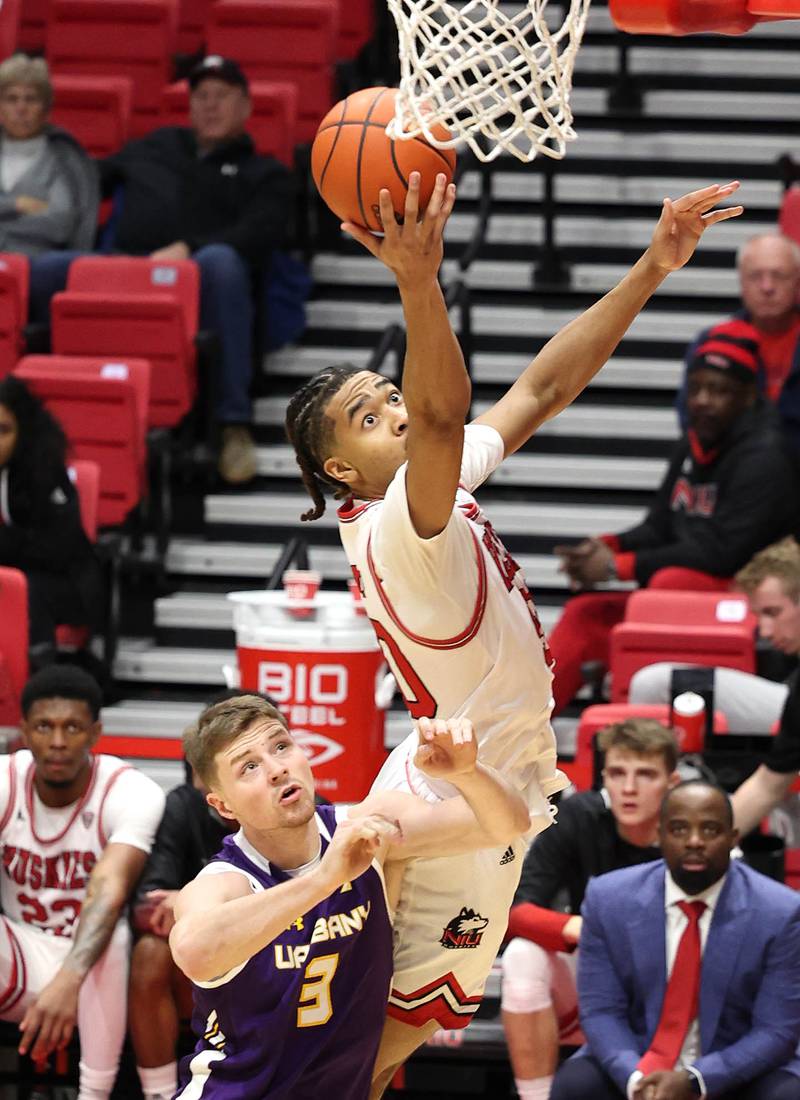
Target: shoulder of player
[{"x": 217, "y": 882}]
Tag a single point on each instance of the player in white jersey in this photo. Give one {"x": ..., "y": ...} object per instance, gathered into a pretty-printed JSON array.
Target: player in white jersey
[
  {"x": 449, "y": 606},
  {"x": 75, "y": 830}
]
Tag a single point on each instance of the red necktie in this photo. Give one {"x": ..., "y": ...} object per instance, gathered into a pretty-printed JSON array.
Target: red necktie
[{"x": 680, "y": 998}]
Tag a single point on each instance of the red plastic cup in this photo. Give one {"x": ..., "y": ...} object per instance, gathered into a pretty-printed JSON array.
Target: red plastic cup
[
  {"x": 689, "y": 721},
  {"x": 355, "y": 592},
  {"x": 301, "y": 586}
]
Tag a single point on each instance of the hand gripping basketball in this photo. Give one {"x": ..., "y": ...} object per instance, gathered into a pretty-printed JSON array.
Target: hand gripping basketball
[
  {"x": 446, "y": 748},
  {"x": 354, "y": 845}
]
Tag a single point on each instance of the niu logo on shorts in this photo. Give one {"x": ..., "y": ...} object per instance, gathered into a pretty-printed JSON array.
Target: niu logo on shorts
[
  {"x": 465, "y": 930},
  {"x": 508, "y": 856}
]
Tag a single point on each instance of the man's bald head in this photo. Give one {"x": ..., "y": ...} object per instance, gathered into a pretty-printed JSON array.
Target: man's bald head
[{"x": 769, "y": 275}]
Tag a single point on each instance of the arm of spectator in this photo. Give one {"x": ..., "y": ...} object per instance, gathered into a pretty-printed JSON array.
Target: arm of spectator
[
  {"x": 263, "y": 221},
  {"x": 49, "y": 1021},
  {"x": 602, "y": 999},
  {"x": 771, "y": 1040},
  {"x": 551, "y": 930},
  {"x": 743, "y": 521},
  {"x": 167, "y": 868},
  {"x": 759, "y": 795},
  {"x": 52, "y": 226},
  {"x": 51, "y": 537}
]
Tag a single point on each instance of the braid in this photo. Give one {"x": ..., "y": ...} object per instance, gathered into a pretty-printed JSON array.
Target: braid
[{"x": 309, "y": 430}]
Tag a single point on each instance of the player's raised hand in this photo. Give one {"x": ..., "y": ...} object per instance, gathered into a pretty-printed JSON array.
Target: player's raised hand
[
  {"x": 447, "y": 748},
  {"x": 413, "y": 250},
  {"x": 355, "y": 844},
  {"x": 683, "y": 222}
]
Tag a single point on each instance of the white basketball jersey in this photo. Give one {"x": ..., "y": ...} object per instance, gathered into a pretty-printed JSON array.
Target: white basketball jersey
[
  {"x": 457, "y": 623},
  {"x": 48, "y": 855}
]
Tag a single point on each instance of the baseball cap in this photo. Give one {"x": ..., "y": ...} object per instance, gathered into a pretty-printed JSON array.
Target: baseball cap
[
  {"x": 731, "y": 348},
  {"x": 221, "y": 68}
]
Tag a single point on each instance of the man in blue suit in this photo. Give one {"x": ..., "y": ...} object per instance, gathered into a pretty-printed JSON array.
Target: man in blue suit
[{"x": 689, "y": 971}]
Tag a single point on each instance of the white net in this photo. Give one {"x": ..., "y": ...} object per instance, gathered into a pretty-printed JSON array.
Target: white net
[{"x": 499, "y": 80}]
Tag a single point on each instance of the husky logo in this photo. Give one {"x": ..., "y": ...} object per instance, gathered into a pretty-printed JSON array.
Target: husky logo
[
  {"x": 318, "y": 748},
  {"x": 465, "y": 930}
]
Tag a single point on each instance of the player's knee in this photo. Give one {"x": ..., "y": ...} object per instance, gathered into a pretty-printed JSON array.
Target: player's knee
[
  {"x": 651, "y": 684},
  {"x": 151, "y": 966},
  {"x": 527, "y": 977}
]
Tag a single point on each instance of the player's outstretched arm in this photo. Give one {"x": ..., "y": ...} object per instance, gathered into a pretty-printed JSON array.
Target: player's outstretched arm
[
  {"x": 488, "y": 813},
  {"x": 568, "y": 362},
  {"x": 436, "y": 388},
  {"x": 50, "y": 1020},
  {"x": 220, "y": 923}
]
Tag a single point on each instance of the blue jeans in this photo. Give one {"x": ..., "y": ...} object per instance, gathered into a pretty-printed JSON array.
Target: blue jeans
[{"x": 226, "y": 307}]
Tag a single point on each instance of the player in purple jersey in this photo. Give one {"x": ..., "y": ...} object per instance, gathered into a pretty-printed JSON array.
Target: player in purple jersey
[{"x": 287, "y": 934}]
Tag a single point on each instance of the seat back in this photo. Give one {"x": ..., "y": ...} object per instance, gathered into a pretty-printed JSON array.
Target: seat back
[
  {"x": 789, "y": 216},
  {"x": 85, "y": 476},
  {"x": 9, "y": 27},
  {"x": 13, "y": 643},
  {"x": 356, "y": 27},
  {"x": 33, "y": 18},
  {"x": 289, "y": 41},
  {"x": 102, "y": 407},
  {"x": 132, "y": 38},
  {"x": 14, "y": 284},
  {"x": 699, "y": 628},
  {"x": 272, "y": 125},
  {"x": 192, "y": 17},
  {"x": 96, "y": 110}
]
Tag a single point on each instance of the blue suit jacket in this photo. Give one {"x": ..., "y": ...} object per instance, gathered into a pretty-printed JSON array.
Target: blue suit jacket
[{"x": 749, "y": 984}]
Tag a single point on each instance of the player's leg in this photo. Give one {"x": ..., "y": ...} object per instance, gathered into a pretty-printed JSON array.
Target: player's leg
[
  {"x": 154, "y": 1016},
  {"x": 102, "y": 1016},
  {"x": 540, "y": 1011},
  {"x": 28, "y": 960},
  {"x": 398, "y": 1042}
]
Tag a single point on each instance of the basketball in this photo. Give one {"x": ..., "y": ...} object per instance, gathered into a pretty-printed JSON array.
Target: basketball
[{"x": 352, "y": 159}]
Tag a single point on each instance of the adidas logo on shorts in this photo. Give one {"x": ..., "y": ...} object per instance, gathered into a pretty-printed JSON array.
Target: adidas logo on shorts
[{"x": 508, "y": 856}]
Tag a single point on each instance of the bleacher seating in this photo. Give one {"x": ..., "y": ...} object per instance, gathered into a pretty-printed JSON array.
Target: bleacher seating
[
  {"x": 272, "y": 125},
  {"x": 9, "y": 27},
  {"x": 102, "y": 407},
  {"x": 147, "y": 309},
  {"x": 290, "y": 41},
  {"x": 192, "y": 17},
  {"x": 13, "y": 643},
  {"x": 789, "y": 217},
  {"x": 14, "y": 285},
  {"x": 700, "y": 628},
  {"x": 95, "y": 109},
  {"x": 33, "y": 16},
  {"x": 133, "y": 38},
  {"x": 356, "y": 26}
]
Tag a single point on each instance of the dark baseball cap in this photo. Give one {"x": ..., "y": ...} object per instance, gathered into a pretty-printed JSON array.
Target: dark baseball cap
[{"x": 221, "y": 68}]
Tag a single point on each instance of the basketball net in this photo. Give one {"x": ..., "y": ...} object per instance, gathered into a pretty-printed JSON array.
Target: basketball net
[{"x": 498, "y": 81}]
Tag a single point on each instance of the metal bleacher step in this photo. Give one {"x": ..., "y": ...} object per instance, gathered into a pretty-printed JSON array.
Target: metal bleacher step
[
  {"x": 491, "y": 368},
  {"x": 618, "y": 145},
  {"x": 653, "y": 58},
  {"x": 509, "y": 517},
  {"x": 690, "y": 104},
  {"x": 535, "y": 470}
]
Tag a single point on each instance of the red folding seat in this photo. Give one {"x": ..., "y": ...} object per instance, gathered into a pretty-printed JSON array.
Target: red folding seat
[
  {"x": 596, "y": 718},
  {"x": 33, "y": 17},
  {"x": 192, "y": 17},
  {"x": 133, "y": 38},
  {"x": 135, "y": 307},
  {"x": 693, "y": 628},
  {"x": 14, "y": 284},
  {"x": 13, "y": 643},
  {"x": 789, "y": 216},
  {"x": 9, "y": 27},
  {"x": 95, "y": 109},
  {"x": 102, "y": 407},
  {"x": 290, "y": 41},
  {"x": 272, "y": 125},
  {"x": 356, "y": 26}
]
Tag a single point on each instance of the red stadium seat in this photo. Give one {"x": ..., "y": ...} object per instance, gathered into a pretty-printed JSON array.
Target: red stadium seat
[
  {"x": 290, "y": 41},
  {"x": 95, "y": 109},
  {"x": 789, "y": 216},
  {"x": 596, "y": 718},
  {"x": 14, "y": 283},
  {"x": 272, "y": 125},
  {"x": 102, "y": 407},
  {"x": 33, "y": 19},
  {"x": 13, "y": 643},
  {"x": 356, "y": 26},
  {"x": 131, "y": 306},
  {"x": 9, "y": 27},
  {"x": 133, "y": 38},
  {"x": 697, "y": 628}
]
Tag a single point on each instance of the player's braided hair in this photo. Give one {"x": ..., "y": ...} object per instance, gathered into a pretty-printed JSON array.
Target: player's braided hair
[{"x": 310, "y": 432}]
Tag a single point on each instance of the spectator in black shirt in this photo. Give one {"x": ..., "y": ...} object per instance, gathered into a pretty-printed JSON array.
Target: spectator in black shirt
[{"x": 595, "y": 832}]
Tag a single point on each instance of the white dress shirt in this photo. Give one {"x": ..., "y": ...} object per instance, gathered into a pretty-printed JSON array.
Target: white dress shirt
[{"x": 675, "y": 925}]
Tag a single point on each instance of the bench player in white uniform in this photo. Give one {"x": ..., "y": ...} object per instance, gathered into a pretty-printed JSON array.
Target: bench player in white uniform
[
  {"x": 447, "y": 601},
  {"x": 75, "y": 830}
]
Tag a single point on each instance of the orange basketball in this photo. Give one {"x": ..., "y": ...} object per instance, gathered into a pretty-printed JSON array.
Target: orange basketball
[{"x": 352, "y": 158}]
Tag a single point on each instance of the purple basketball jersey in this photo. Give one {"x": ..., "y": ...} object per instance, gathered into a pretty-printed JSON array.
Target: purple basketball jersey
[{"x": 302, "y": 1019}]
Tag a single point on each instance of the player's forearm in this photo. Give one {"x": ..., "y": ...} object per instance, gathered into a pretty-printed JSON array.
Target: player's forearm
[
  {"x": 436, "y": 387},
  {"x": 569, "y": 361},
  {"x": 758, "y": 796},
  {"x": 500, "y": 811},
  {"x": 99, "y": 916},
  {"x": 209, "y": 942}
]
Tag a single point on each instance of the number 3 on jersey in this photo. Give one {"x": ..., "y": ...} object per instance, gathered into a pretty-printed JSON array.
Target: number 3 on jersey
[{"x": 315, "y": 1006}]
